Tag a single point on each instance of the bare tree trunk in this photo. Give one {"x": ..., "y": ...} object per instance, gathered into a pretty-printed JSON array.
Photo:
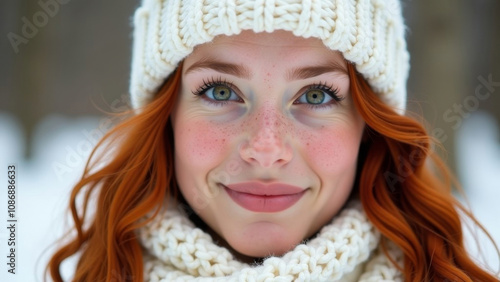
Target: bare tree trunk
[
  {"x": 28, "y": 71},
  {"x": 438, "y": 65},
  {"x": 484, "y": 53}
]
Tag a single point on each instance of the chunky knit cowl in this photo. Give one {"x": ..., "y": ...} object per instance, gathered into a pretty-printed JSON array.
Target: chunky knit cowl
[{"x": 347, "y": 249}]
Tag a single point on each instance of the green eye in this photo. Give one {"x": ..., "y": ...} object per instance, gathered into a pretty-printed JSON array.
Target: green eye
[
  {"x": 221, "y": 93},
  {"x": 315, "y": 96}
]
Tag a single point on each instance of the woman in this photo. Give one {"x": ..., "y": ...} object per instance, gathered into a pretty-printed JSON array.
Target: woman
[{"x": 269, "y": 143}]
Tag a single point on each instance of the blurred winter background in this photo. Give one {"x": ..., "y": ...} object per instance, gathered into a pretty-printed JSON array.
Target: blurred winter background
[{"x": 62, "y": 61}]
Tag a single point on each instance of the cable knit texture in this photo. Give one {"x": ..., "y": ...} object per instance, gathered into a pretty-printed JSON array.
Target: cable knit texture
[
  {"x": 369, "y": 33},
  {"x": 344, "y": 250}
]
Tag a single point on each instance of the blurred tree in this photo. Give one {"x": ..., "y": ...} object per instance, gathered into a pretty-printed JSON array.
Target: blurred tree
[
  {"x": 483, "y": 50},
  {"x": 74, "y": 60},
  {"x": 438, "y": 76},
  {"x": 28, "y": 70}
]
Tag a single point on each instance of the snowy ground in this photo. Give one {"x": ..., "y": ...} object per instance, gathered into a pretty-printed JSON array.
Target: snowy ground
[{"x": 63, "y": 145}]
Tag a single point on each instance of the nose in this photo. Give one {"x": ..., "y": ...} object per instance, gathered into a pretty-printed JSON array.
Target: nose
[{"x": 267, "y": 149}]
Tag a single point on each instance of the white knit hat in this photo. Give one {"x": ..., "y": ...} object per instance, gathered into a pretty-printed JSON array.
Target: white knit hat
[{"x": 369, "y": 33}]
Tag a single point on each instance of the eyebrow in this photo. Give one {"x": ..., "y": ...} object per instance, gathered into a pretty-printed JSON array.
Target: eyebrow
[
  {"x": 312, "y": 71},
  {"x": 243, "y": 72},
  {"x": 223, "y": 67}
]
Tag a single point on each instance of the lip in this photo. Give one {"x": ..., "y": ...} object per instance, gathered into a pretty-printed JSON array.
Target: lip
[{"x": 260, "y": 197}]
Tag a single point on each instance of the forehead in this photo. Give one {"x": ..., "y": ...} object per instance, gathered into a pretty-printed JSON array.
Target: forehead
[{"x": 278, "y": 46}]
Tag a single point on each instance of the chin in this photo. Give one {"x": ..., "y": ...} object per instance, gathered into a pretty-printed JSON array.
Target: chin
[
  {"x": 264, "y": 242},
  {"x": 263, "y": 251}
]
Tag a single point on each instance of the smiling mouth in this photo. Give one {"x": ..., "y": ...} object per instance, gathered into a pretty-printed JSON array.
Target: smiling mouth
[{"x": 264, "y": 198}]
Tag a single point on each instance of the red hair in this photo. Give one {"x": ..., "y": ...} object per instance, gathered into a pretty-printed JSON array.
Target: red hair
[
  {"x": 406, "y": 191},
  {"x": 405, "y": 200}
]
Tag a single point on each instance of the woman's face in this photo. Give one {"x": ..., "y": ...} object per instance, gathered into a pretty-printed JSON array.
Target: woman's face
[{"x": 266, "y": 138}]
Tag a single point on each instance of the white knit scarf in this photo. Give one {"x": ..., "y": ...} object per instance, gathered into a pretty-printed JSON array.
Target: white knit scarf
[{"x": 344, "y": 250}]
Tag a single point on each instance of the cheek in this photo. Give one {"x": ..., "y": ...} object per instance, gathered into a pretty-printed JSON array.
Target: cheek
[
  {"x": 333, "y": 150},
  {"x": 200, "y": 147},
  {"x": 199, "y": 143}
]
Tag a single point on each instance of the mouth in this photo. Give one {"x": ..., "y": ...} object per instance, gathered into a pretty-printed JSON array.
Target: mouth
[{"x": 258, "y": 197}]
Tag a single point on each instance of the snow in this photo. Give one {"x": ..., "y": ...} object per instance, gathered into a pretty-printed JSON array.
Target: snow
[
  {"x": 478, "y": 161},
  {"x": 63, "y": 145}
]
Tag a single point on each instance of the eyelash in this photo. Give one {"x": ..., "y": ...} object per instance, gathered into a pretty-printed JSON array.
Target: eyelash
[
  {"x": 330, "y": 90},
  {"x": 207, "y": 84}
]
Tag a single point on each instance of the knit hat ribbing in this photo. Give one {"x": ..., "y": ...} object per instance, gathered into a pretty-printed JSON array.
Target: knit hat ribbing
[{"x": 369, "y": 33}]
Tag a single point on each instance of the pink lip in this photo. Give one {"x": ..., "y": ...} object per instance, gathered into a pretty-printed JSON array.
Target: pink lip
[{"x": 259, "y": 197}]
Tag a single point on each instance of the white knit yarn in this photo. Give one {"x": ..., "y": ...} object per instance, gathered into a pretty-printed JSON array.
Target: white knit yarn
[
  {"x": 178, "y": 251},
  {"x": 369, "y": 33}
]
